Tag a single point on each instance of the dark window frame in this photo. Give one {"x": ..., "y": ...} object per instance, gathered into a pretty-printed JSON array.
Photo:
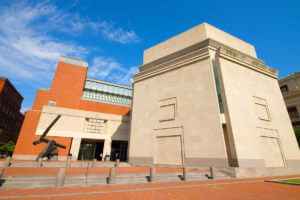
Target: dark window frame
[
  {"x": 293, "y": 112},
  {"x": 284, "y": 88}
]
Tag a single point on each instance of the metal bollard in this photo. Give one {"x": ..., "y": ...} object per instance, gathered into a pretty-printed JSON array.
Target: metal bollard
[
  {"x": 60, "y": 178},
  {"x": 212, "y": 173},
  {"x": 40, "y": 162},
  {"x": 112, "y": 176},
  {"x": 69, "y": 158},
  {"x": 185, "y": 173},
  {"x": 7, "y": 161},
  {"x": 117, "y": 162},
  {"x": 94, "y": 163},
  {"x": 152, "y": 174}
]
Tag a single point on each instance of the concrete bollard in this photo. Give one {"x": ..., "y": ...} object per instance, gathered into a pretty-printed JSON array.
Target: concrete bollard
[
  {"x": 117, "y": 162},
  {"x": 112, "y": 176},
  {"x": 1, "y": 172},
  {"x": 60, "y": 178},
  {"x": 69, "y": 159},
  {"x": 40, "y": 162},
  {"x": 212, "y": 172},
  {"x": 152, "y": 174},
  {"x": 185, "y": 173},
  {"x": 7, "y": 161},
  {"x": 55, "y": 158},
  {"x": 94, "y": 163}
]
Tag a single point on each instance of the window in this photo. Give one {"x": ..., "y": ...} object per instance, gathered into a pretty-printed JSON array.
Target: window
[
  {"x": 218, "y": 86},
  {"x": 106, "y": 97},
  {"x": 293, "y": 112},
  {"x": 284, "y": 88},
  {"x": 95, "y": 125},
  {"x": 51, "y": 104},
  {"x": 106, "y": 92}
]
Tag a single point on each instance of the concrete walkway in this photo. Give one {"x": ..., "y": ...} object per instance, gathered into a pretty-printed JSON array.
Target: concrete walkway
[{"x": 252, "y": 188}]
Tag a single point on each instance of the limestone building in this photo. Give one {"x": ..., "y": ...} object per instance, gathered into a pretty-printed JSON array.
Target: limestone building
[
  {"x": 94, "y": 120},
  {"x": 290, "y": 88},
  {"x": 203, "y": 98}
]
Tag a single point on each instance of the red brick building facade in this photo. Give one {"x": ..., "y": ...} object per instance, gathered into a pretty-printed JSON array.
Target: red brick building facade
[
  {"x": 66, "y": 92},
  {"x": 10, "y": 117}
]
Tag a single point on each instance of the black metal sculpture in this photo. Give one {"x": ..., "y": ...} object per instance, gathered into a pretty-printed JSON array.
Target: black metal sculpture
[{"x": 51, "y": 147}]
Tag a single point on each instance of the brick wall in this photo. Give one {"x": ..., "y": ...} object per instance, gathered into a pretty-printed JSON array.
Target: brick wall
[
  {"x": 10, "y": 117},
  {"x": 66, "y": 91}
]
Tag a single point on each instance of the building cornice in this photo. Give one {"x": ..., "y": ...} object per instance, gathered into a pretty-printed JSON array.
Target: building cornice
[
  {"x": 247, "y": 61},
  {"x": 172, "y": 64},
  {"x": 291, "y": 94},
  {"x": 106, "y": 102},
  {"x": 201, "y": 51},
  {"x": 289, "y": 77},
  {"x": 81, "y": 113},
  {"x": 73, "y": 61}
]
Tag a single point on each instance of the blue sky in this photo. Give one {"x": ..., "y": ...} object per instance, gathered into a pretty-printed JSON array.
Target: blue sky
[{"x": 112, "y": 35}]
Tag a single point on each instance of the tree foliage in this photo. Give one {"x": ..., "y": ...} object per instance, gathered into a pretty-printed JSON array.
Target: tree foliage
[
  {"x": 297, "y": 132},
  {"x": 8, "y": 147}
]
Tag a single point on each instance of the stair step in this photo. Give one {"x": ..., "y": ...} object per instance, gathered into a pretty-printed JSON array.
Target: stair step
[
  {"x": 44, "y": 181},
  {"x": 63, "y": 164},
  {"x": 29, "y": 176}
]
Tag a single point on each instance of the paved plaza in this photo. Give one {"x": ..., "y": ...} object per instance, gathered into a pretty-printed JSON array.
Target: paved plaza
[{"x": 252, "y": 188}]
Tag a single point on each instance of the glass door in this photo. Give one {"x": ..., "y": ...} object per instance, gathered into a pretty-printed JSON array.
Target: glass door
[{"x": 87, "y": 151}]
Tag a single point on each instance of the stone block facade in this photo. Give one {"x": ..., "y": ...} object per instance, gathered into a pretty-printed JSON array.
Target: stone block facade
[{"x": 202, "y": 98}]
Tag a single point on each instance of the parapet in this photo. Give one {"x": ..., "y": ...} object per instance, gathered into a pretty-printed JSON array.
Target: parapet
[
  {"x": 193, "y": 36},
  {"x": 74, "y": 61}
]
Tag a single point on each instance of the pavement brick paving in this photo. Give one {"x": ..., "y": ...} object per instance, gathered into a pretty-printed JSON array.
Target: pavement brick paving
[{"x": 251, "y": 188}]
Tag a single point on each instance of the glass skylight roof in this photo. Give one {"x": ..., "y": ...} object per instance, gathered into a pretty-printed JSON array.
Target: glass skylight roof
[{"x": 105, "y": 92}]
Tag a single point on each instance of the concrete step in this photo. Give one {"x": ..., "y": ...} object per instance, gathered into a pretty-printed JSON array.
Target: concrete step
[
  {"x": 135, "y": 182},
  {"x": 83, "y": 179},
  {"x": 26, "y": 184},
  {"x": 85, "y": 176},
  {"x": 35, "y": 181},
  {"x": 126, "y": 176},
  {"x": 28, "y": 176},
  {"x": 83, "y": 183},
  {"x": 22, "y": 180},
  {"x": 63, "y": 164}
]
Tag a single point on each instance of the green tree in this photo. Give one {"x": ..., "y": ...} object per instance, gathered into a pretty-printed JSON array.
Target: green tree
[{"x": 8, "y": 147}]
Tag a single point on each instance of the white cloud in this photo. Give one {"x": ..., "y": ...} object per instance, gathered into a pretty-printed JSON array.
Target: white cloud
[
  {"x": 26, "y": 50},
  {"x": 29, "y": 50},
  {"x": 24, "y": 109},
  {"x": 110, "y": 70},
  {"x": 125, "y": 79},
  {"x": 102, "y": 67},
  {"x": 118, "y": 34},
  {"x": 107, "y": 29}
]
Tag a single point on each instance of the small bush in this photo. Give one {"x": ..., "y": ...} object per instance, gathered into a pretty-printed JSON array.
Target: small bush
[{"x": 8, "y": 147}]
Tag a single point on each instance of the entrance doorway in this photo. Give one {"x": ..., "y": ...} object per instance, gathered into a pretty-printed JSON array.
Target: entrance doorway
[
  {"x": 119, "y": 150},
  {"x": 90, "y": 150}
]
